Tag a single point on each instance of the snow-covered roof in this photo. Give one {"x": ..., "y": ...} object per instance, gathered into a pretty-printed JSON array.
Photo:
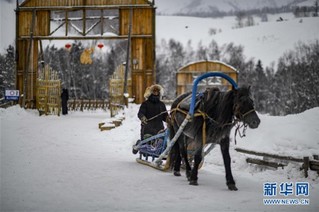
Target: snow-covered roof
[{"x": 208, "y": 61}]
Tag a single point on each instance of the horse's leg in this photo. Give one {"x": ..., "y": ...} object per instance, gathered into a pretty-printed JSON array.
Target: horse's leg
[
  {"x": 177, "y": 159},
  {"x": 183, "y": 150},
  {"x": 194, "y": 172},
  {"x": 224, "y": 146}
]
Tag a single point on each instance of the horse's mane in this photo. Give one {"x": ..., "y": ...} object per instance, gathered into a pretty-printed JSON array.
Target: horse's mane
[
  {"x": 219, "y": 105},
  {"x": 179, "y": 99}
]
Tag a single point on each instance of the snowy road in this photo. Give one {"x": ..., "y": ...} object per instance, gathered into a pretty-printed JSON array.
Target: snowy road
[{"x": 66, "y": 164}]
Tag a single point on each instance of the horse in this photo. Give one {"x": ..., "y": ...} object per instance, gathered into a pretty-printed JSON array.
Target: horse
[{"x": 216, "y": 113}]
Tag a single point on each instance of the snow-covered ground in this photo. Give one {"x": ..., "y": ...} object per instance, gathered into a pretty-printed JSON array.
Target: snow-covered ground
[
  {"x": 65, "y": 163},
  {"x": 51, "y": 163}
]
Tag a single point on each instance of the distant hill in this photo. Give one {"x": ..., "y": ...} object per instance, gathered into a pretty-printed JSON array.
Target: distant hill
[{"x": 202, "y": 7}]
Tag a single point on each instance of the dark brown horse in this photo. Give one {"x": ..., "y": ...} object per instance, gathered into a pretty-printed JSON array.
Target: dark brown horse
[{"x": 215, "y": 115}]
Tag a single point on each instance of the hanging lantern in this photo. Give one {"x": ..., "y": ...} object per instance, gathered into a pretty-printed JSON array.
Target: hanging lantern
[
  {"x": 68, "y": 46},
  {"x": 100, "y": 45},
  {"x": 86, "y": 56}
]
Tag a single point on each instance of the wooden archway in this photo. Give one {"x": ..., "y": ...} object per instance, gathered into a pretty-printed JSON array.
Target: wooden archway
[
  {"x": 33, "y": 24},
  {"x": 187, "y": 74}
]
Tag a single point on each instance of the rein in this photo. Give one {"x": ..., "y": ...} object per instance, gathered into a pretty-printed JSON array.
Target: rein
[
  {"x": 157, "y": 115},
  {"x": 245, "y": 114},
  {"x": 243, "y": 134}
]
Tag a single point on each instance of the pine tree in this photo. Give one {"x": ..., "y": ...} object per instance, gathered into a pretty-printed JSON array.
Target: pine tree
[
  {"x": 2, "y": 76},
  {"x": 7, "y": 74},
  {"x": 259, "y": 88},
  {"x": 213, "y": 51},
  {"x": 201, "y": 53}
]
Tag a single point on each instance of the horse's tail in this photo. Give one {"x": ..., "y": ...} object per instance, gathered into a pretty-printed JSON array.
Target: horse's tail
[
  {"x": 173, "y": 153},
  {"x": 173, "y": 156}
]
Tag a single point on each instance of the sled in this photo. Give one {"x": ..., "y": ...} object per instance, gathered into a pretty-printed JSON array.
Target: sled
[
  {"x": 151, "y": 148},
  {"x": 154, "y": 151}
]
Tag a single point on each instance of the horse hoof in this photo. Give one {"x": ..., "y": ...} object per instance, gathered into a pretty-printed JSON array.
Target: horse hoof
[
  {"x": 188, "y": 175},
  {"x": 232, "y": 187},
  {"x": 193, "y": 182},
  {"x": 177, "y": 174}
]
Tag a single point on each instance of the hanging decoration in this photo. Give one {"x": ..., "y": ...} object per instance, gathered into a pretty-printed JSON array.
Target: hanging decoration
[
  {"x": 100, "y": 45},
  {"x": 86, "y": 56},
  {"x": 68, "y": 46}
]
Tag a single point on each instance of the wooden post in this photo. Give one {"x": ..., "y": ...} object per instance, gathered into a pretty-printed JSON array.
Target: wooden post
[
  {"x": 128, "y": 49},
  {"x": 27, "y": 67},
  {"x": 102, "y": 20},
  {"x": 269, "y": 155},
  {"x": 306, "y": 166},
  {"x": 81, "y": 108}
]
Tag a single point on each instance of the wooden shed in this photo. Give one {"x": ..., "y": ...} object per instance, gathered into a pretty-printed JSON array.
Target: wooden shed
[
  {"x": 187, "y": 74},
  {"x": 34, "y": 23}
]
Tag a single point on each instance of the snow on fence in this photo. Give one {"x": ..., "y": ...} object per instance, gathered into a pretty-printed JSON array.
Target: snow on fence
[{"x": 282, "y": 161}]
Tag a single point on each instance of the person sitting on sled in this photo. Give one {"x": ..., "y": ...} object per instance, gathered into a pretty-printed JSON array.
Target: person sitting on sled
[{"x": 152, "y": 111}]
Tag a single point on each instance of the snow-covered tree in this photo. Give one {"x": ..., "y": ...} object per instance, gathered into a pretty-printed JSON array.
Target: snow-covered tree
[{"x": 7, "y": 71}]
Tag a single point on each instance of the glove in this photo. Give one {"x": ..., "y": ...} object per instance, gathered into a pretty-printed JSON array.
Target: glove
[{"x": 144, "y": 120}]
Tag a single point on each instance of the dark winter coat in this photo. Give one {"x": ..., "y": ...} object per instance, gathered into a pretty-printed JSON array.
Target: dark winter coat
[
  {"x": 150, "y": 108},
  {"x": 65, "y": 98}
]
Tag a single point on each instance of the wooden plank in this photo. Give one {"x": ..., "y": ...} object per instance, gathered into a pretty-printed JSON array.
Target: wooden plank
[
  {"x": 314, "y": 165},
  {"x": 43, "y": 23},
  {"x": 97, "y": 7},
  {"x": 264, "y": 163},
  {"x": 25, "y": 20},
  {"x": 98, "y": 37},
  {"x": 269, "y": 155}
]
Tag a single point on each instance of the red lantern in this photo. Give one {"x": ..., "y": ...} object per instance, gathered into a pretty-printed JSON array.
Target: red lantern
[
  {"x": 68, "y": 46},
  {"x": 100, "y": 45}
]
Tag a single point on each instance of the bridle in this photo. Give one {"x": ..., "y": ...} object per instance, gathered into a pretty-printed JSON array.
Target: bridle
[{"x": 240, "y": 117}]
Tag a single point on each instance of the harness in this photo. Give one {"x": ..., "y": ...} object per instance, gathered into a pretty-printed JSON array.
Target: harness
[{"x": 205, "y": 116}]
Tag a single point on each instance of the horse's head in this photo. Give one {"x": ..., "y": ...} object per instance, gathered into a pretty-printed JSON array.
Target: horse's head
[{"x": 244, "y": 108}]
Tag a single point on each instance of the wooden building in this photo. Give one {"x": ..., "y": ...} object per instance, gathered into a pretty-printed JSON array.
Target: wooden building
[
  {"x": 135, "y": 23},
  {"x": 187, "y": 74}
]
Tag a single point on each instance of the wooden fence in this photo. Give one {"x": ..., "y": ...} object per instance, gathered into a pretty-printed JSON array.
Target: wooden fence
[
  {"x": 48, "y": 92},
  {"x": 87, "y": 104},
  {"x": 5, "y": 104},
  {"x": 306, "y": 163},
  {"x": 116, "y": 85}
]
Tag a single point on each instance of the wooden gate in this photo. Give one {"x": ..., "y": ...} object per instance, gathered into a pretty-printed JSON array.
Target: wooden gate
[
  {"x": 85, "y": 20},
  {"x": 117, "y": 99},
  {"x": 48, "y": 92},
  {"x": 187, "y": 74}
]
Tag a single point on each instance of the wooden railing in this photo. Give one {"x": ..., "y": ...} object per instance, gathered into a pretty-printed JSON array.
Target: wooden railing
[
  {"x": 5, "y": 104},
  {"x": 87, "y": 104},
  {"x": 306, "y": 163}
]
